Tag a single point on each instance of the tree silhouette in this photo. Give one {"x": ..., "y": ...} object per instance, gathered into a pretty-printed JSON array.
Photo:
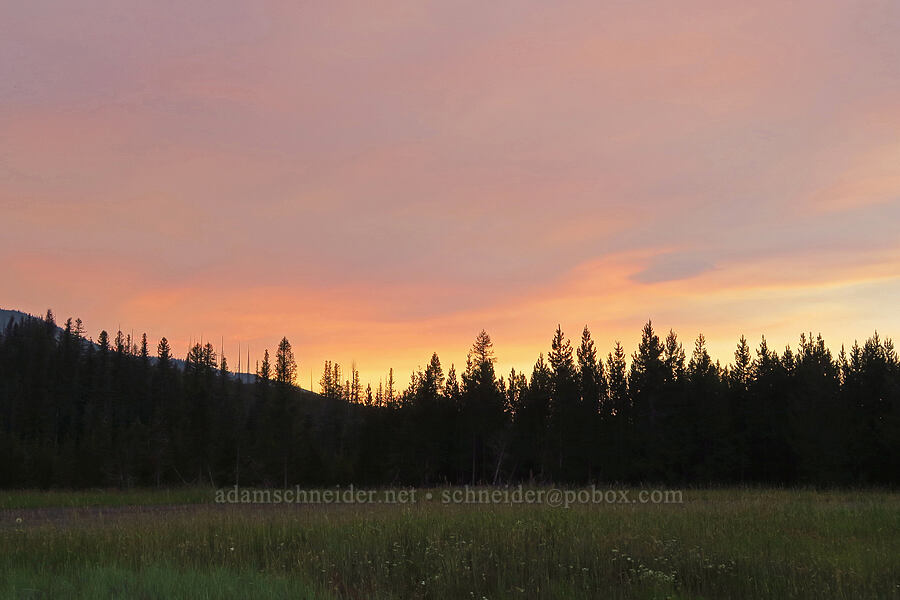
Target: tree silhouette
[
  {"x": 285, "y": 365},
  {"x": 75, "y": 413},
  {"x": 482, "y": 412},
  {"x": 264, "y": 372}
]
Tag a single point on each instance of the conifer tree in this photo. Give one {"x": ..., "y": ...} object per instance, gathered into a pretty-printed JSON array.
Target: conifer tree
[
  {"x": 163, "y": 353},
  {"x": 390, "y": 392},
  {"x": 103, "y": 341},
  {"x": 264, "y": 373},
  {"x": 355, "y": 385},
  {"x": 144, "y": 352},
  {"x": 326, "y": 383},
  {"x": 590, "y": 373},
  {"x": 619, "y": 415},
  {"x": 482, "y": 405},
  {"x": 285, "y": 364}
]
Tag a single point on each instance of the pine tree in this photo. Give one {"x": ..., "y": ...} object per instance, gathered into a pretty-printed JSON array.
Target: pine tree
[
  {"x": 163, "y": 353},
  {"x": 355, "y": 385},
  {"x": 482, "y": 405},
  {"x": 390, "y": 391},
  {"x": 562, "y": 365},
  {"x": 742, "y": 413},
  {"x": 326, "y": 384},
  {"x": 769, "y": 449},
  {"x": 647, "y": 377},
  {"x": 144, "y": 351},
  {"x": 516, "y": 393},
  {"x": 285, "y": 365},
  {"x": 620, "y": 401},
  {"x": 337, "y": 390},
  {"x": 79, "y": 329},
  {"x": 433, "y": 377},
  {"x": 532, "y": 423},
  {"x": 647, "y": 386},
  {"x": 619, "y": 415},
  {"x": 742, "y": 369},
  {"x": 675, "y": 423},
  {"x": 566, "y": 418},
  {"x": 673, "y": 357},
  {"x": 103, "y": 342},
  {"x": 820, "y": 448},
  {"x": 590, "y": 373},
  {"x": 264, "y": 373},
  {"x": 451, "y": 388},
  {"x": 714, "y": 452}
]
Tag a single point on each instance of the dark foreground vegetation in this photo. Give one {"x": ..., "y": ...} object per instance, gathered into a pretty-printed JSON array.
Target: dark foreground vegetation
[
  {"x": 729, "y": 543},
  {"x": 79, "y": 413}
]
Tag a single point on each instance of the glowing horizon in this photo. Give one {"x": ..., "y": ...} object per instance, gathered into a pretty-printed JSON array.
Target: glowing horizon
[{"x": 381, "y": 183}]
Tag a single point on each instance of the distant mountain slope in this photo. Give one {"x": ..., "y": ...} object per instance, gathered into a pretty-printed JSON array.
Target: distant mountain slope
[{"x": 16, "y": 315}]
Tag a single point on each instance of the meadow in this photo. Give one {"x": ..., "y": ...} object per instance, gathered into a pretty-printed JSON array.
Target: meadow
[{"x": 722, "y": 543}]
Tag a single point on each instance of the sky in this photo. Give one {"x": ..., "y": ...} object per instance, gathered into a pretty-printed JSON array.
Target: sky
[{"x": 379, "y": 181}]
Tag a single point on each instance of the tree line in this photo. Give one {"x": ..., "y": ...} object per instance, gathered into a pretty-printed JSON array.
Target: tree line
[{"x": 113, "y": 412}]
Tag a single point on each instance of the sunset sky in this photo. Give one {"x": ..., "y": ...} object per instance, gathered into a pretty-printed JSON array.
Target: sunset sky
[{"x": 380, "y": 180}]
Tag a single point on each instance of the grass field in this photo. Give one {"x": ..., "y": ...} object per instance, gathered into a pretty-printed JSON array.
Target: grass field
[
  {"x": 716, "y": 544},
  {"x": 86, "y": 498}
]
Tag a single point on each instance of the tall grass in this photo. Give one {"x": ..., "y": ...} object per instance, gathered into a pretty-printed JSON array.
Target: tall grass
[
  {"x": 96, "y": 582},
  {"x": 103, "y": 497},
  {"x": 718, "y": 544}
]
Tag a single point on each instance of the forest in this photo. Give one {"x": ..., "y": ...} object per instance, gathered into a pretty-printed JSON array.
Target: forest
[{"x": 116, "y": 412}]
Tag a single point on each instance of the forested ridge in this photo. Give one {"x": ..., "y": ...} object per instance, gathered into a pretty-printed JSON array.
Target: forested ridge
[{"x": 76, "y": 412}]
